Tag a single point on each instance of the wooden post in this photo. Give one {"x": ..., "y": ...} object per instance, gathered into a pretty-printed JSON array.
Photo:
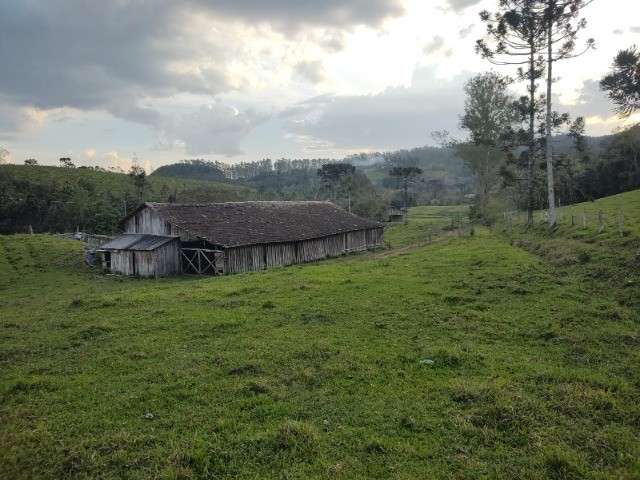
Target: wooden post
[
  {"x": 600, "y": 225},
  {"x": 573, "y": 220},
  {"x": 621, "y": 223},
  {"x": 460, "y": 226},
  {"x": 584, "y": 218}
]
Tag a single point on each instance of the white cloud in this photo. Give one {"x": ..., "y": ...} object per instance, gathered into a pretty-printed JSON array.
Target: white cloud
[
  {"x": 400, "y": 117},
  {"x": 214, "y": 128}
]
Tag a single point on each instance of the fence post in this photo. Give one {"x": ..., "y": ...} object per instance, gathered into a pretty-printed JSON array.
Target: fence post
[
  {"x": 573, "y": 219},
  {"x": 584, "y": 218},
  {"x": 460, "y": 226},
  {"x": 600, "y": 225},
  {"x": 621, "y": 223}
]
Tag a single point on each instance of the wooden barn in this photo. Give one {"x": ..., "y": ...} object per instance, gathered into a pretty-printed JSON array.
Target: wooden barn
[{"x": 224, "y": 238}]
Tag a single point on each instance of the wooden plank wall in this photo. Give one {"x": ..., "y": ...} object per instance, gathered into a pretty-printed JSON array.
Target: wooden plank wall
[
  {"x": 149, "y": 222},
  {"x": 161, "y": 262},
  {"x": 261, "y": 256}
]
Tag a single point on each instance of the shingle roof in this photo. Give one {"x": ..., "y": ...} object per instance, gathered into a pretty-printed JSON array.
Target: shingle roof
[
  {"x": 245, "y": 223},
  {"x": 137, "y": 241}
]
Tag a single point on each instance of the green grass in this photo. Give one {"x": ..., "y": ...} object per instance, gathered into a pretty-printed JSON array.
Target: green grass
[
  {"x": 427, "y": 224},
  {"x": 479, "y": 357}
]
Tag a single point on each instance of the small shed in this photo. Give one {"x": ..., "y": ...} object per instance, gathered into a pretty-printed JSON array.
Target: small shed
[
  {"x": 142, "y": 255},
  {"x": 397, "y": 214}
]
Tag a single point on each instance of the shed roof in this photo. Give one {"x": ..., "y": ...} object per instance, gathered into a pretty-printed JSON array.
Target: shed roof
[
  {"x": 244, "y": 223},
  {"x": 137, "y": 241}
]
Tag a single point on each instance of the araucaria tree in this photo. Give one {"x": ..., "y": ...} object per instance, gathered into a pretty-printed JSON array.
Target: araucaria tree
[
  {"x": 535, "y": 33},
  {"x": 623, "y": 83},
  {"x": 406, "y": 175}
]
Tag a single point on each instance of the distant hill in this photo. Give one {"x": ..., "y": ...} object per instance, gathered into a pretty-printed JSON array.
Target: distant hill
[
  {"x": 55, "y": 199},
  {"x": 195, "y": 169}
]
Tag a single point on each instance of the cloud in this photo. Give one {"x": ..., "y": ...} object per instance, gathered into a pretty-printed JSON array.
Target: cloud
[
  {"x": 618, "y": 31},
  {"x": 459, "y": 5},
  {"x": 399, "y": 117},
  {"x": 16, "y": 120},
  {"x": 635, "y": 29},
  {"x": 213, "y": 128},
  {"x": 294, "y": 15},
  {"x": 117, "y": 56},
  {"x": 437, "y": 47},
  {"x": 312, "y": 71},
  {"x": 464, "y": 32}
]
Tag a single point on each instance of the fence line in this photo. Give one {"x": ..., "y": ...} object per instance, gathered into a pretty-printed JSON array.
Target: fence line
[{"x": 564, "y": 215}]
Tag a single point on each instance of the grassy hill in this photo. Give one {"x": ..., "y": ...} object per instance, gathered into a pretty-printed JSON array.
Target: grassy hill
[
  {"x": 483, "y": 356},
  {"x": 54, "y": 199}
]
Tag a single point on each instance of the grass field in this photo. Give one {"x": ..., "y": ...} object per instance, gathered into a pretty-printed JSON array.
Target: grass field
[{"x": 507, "y": 354}]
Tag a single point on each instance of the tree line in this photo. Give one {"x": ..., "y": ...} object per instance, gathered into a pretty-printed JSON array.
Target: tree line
[{"x": 512, "y": 144}]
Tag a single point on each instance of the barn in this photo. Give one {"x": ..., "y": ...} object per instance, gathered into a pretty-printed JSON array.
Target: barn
[{"x": 235, "y": 237}]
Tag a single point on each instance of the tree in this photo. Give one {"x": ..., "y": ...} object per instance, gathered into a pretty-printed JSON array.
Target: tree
[
  {"x": 489, "y": 117},
  {"x": 31, "y": 161},
  {"x": 334, "y": 176},
  {"x": 561, "y": 32},
  {"x": 4, "y": 155},
  {"x": 406, "y": 175},
  {"x": 138, "y": 176},
  {"x": 623, "y": 83},
  {"x": 67, "y": 163},
  {"x": 517, "y": 34},
  {"x": 545, "y": 31}
]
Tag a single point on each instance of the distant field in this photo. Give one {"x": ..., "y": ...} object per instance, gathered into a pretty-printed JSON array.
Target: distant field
[{"x": 506, "y": 354}]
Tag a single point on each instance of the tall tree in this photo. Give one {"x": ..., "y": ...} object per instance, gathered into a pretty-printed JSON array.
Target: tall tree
[
  {"x": 489, "y": 117},
  {"x": 139, "y": 177},
  {"x": 515, "y": 36},
  {"x": 546, "y": 31},
  {"x": 623, "y": 83},
  {"x": 406, "y": 175},
  {"x": 562, "y": 26}
]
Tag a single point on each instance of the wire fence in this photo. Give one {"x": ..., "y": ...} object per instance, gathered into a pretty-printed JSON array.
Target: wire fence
[{"x": 600, "y": 220}]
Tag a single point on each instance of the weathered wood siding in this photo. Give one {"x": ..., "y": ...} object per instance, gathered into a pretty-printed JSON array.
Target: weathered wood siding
[
  {"x": 148, "y": 221},
  {"x": 161, "y": 262},
  {"x": 261, "y": 256}
]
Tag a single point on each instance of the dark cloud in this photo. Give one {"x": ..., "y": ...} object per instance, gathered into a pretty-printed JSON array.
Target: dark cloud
[
  {"x": 98, "y": 55},
  {"x": 114, "y": 56},
  {"x": 397, "y": 118},
  {"x": 292, "y": 15}
]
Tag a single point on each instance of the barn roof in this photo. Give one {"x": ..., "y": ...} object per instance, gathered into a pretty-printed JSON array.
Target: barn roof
[
  {"x": 244, "y": 223},
  {"x": 137, "y": 241}
]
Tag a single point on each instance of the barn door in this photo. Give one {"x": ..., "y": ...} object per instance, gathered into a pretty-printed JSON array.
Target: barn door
[{"x": 200, "y": 261}]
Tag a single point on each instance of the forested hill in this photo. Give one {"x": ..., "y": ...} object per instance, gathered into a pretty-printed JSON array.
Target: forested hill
[{"x": 57, "y": 199}]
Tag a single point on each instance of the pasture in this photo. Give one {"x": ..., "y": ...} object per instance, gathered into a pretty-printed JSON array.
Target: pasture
[{"x": 508, "y": 353}]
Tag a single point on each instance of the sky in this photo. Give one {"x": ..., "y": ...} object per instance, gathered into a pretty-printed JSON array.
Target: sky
[{"x": 107, "y": 81}]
